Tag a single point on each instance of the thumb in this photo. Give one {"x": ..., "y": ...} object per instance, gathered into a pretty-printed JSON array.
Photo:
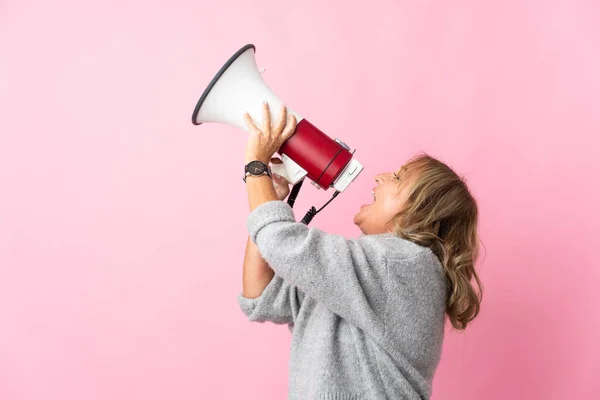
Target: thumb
[{"x": 280, "y": 179}]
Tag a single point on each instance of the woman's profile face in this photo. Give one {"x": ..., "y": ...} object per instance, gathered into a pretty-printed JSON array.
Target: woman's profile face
[{"x": 390, "y": 193}]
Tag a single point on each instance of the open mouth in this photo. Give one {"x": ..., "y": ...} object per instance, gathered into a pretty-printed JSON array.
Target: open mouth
[{"x": 374, "y": 198}]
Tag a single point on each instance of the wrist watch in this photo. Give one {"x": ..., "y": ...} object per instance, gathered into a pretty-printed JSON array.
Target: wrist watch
[{"x": 256, "y": 168}]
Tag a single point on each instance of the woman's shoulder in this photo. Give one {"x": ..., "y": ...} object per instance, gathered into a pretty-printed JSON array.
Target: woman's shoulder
[
  {"x": 407, "y": 260},
  {"x": 394, "y": 247}
]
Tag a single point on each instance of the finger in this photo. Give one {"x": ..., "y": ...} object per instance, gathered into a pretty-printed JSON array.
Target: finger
[
  {"x": 290, "y": 127},
  {"x": 250, "y": 124},
  {"x": 282, "y": 120},
  {"x": 266, "y": 117},
  {"x": 276, "y": 160},
  {"x": 280, "y": 180}
]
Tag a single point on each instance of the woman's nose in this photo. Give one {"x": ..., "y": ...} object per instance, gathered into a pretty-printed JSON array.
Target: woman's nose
[{"x": 380, "y": 178}]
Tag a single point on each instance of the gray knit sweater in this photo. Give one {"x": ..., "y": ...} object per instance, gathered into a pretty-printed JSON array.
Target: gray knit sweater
[{"x": 366, "y": 314}]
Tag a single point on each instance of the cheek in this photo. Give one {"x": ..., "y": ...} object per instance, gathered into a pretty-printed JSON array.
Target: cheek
[{"x": 392, "y": 205}]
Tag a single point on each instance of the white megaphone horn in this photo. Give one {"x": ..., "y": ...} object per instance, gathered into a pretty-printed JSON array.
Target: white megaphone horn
[{"x": 238, "y": 87}]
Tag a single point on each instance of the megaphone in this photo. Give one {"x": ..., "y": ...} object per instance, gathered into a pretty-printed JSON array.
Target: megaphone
[{"x": 238, "y": 87}]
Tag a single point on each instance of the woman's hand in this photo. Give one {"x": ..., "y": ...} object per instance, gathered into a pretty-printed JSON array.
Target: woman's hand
[
  {"x": 281, "y": 185},
  {"x": 264, "y": 142}
]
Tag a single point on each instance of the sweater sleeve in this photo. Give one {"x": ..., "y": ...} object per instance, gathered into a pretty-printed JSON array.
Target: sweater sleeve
[
  {"x": 329, "y": 268},
  {"x": 279, "y": 303}
]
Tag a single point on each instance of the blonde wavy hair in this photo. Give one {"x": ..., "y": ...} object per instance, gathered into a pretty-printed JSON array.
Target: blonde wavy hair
[{"x": 440, "y": 213}]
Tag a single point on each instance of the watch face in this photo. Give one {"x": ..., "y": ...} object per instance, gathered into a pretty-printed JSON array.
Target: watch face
[{"x": 256, "y": 167}]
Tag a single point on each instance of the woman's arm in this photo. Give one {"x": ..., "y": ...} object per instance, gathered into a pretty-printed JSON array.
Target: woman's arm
[
  {"x": 256, "y": 274},
  {"x": 265, "y": 296}
]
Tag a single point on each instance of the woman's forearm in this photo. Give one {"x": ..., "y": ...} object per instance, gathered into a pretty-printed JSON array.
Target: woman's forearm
[{"x": 256, "y": 274}]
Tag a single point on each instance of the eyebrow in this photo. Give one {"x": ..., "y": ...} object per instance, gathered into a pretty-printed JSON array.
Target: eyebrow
[{"x": 402, "y": 171}]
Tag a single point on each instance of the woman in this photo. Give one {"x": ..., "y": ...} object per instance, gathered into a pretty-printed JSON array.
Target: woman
[{"x": 367, "y": 314}]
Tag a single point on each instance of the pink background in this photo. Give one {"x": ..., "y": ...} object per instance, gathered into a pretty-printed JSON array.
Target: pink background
[{"x": 122, "y": 225}]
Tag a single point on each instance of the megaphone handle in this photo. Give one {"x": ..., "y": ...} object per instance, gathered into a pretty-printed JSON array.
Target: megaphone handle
[{"x": 291, "y": 171}]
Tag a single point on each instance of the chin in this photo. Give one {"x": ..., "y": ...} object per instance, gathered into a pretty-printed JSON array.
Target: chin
[
  {"x": 356, "y": 220},
  {"x": 359, "y": 223},
  {"x": 359, "y": 227}
]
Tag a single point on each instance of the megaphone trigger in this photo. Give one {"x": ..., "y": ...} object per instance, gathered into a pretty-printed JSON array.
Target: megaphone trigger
[{"x": 289, "y": 170}]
